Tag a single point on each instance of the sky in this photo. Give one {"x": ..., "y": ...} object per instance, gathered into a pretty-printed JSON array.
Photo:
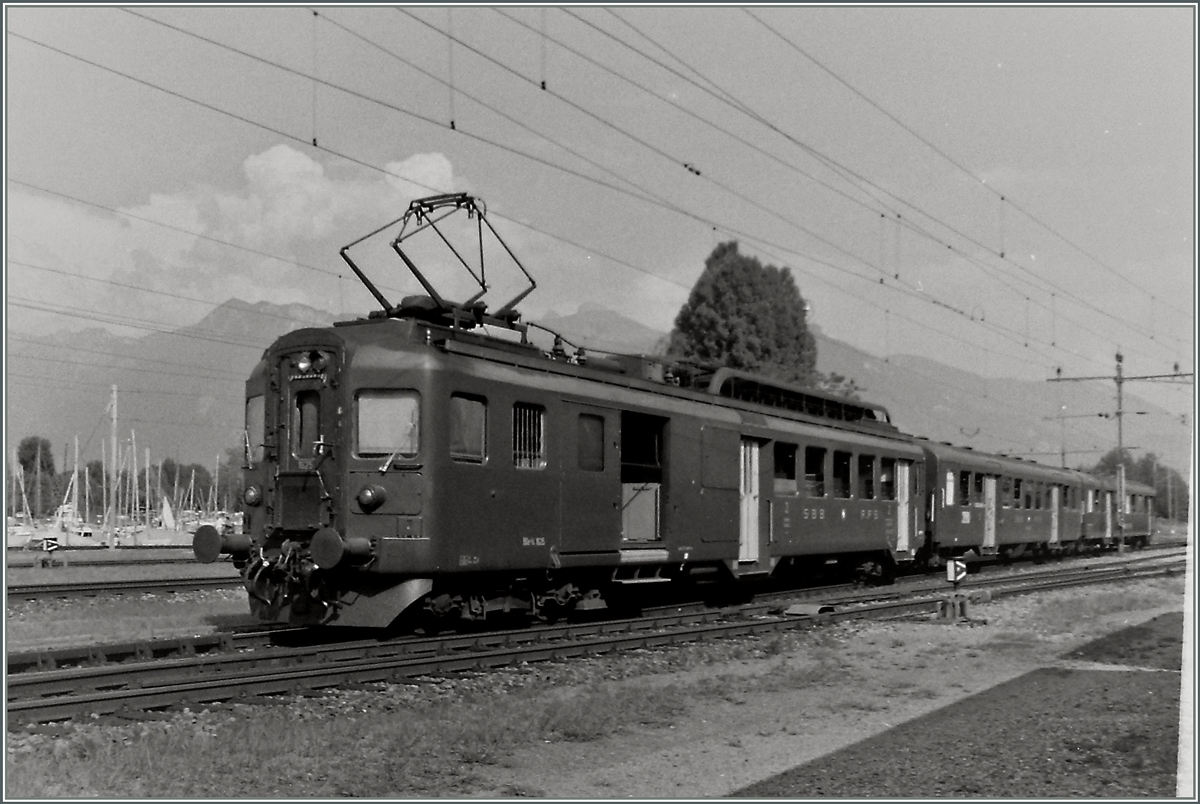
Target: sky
[{"x": 1008, "y": 190}]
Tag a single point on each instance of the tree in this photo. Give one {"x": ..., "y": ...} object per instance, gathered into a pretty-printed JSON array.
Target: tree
[
  {"x": 1109, "y": 463},
  {"x": 838, "y": 384},
  {"x": 27, "y": 455},
  {"x": 746, "y": 315},
  {"x": 1170, "y": 487}
]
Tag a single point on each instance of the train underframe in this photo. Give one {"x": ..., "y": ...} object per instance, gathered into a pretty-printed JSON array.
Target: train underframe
[
  {"x": 285, "y": 583},
  {"x": 1036, "y": 551}
]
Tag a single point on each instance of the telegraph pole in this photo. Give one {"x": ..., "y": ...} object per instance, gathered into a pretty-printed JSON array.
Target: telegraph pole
[{"x": 1120, "y": 379}]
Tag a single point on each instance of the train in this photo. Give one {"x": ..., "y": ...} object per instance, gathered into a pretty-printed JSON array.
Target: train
[{"x": 429, "y": 464}]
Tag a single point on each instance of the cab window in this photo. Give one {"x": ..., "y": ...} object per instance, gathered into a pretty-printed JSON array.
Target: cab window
[
  {"x": 388, "y": 423},
  {"x": 256, "y": 427}
]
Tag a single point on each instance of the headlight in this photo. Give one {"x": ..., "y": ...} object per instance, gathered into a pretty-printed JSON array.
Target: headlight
[
  {"x": 252, "y": 495},
  {"x": 371, "y": 497},
  {"x": 318, "y": 361},
  {"x": 304, "y": 364}
]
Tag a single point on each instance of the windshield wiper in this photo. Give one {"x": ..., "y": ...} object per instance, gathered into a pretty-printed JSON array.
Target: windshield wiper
[{"x": 388, "y": 463}]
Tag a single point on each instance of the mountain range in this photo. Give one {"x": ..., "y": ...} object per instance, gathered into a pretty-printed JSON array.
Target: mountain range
[{"x": 180, "y": 391}]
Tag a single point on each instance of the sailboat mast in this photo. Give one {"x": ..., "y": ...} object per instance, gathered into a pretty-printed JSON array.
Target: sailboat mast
[
  {"x": 111, "y": 514},
  {"x": 147, "y": 488},
  {"x": 75, "y": 480},
  {"x": 38, "y": 490},
  {"x": 135, "y": 508},
  {"x": 104, "y": 487}
]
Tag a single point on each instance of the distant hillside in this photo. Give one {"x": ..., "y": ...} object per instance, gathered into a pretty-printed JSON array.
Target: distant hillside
[
  {"x": 182, "y": 391},
  {"x": 602, "y": 329},
  {"x": 930, "y": 399}
]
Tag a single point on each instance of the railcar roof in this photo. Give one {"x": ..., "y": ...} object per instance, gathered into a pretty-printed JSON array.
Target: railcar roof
[
  {"x": 998, "y": 464},
  {"x": 719, "y": 386}
]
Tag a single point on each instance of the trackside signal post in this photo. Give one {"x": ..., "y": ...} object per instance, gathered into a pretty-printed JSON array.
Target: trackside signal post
[
  {"x": 954, "y": 607},
  {"x": 1119, "y": 378}
]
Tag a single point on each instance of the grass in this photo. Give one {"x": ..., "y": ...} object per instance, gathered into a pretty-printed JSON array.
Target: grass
[
  {"x": 113, "y": 619},
  {"x": 435, "y": 750},
  {"x": 1062, "y": 613}
]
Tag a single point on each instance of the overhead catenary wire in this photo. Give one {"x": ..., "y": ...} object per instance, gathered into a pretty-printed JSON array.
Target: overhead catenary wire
[
  {"x": 649, "y": 273},
  {"x": 674, "y": 159},
  {"x": 387, "y": 172},
  {"x": 958, "y": 165},
  {"x": 837, "y": 166},
  {"x": 926, "y": 297}
]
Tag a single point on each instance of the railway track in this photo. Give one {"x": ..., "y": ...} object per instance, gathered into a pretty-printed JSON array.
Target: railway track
[
  {"x": 62, "y": 591},
  {"x": 237, "y": 675},
  {"x": 266, "y": 635},
  {"x": 66, "y": 591}
]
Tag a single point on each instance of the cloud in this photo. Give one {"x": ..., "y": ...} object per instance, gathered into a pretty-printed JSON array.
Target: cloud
[
  {"x": 274, "y": 238},
  {"x": 422, "y": 175}
]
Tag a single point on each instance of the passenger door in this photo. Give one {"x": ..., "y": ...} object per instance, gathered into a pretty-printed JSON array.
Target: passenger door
[
  {"x": 749, "y": 529},
  {"x": 1055, "y": 500},
  {"x": 989, "y": 511},
  {"x": 903, "y": 525}
]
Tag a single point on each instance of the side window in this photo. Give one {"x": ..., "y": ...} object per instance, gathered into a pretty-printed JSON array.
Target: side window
[
  {"x": 468, "y": 428},
  {"x": 389, "y": 423},
  {"x": 866, "y": 477},
  {"x": 785, "y": 468},
  {"x": 964, "y": 488},
  {"x": 528, "y": 436},
  {"x": 978, "y": 491},
  {"x": 1016, "y": 492},
  {"x": 1038, "y": 495},
  {"x": 589, "y": 432},
  {"x": 1006, "y": 492},
  {"x": 643, "y": 448},
  {"x": 256, "y": 427},
  {"x": 1029, "y": 487},
  {"x": 814, "y": 471},
  {"x": 887, "y": 478},
  {"x": 841, "y": 474}
]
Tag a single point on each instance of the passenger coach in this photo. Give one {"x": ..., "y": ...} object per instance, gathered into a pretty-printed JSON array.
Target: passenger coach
[{"x": 996, "y": 505}]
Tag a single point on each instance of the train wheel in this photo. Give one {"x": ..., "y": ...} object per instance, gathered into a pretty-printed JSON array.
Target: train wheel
[{"x": 548, "y": 611}]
